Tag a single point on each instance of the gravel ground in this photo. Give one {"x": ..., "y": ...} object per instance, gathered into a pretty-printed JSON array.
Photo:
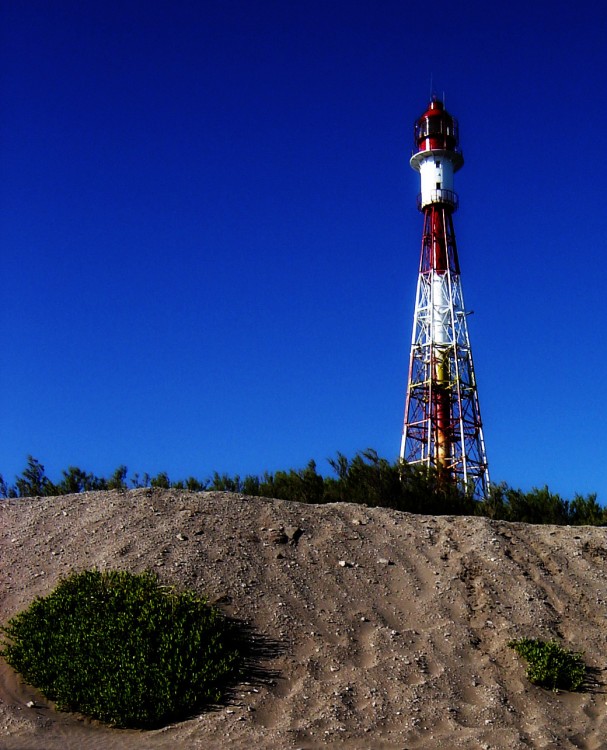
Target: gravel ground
[{"x": 375, "y": 629}]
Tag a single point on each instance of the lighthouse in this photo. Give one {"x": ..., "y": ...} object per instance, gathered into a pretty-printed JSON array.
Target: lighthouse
[{"x": 442, "y": 426}]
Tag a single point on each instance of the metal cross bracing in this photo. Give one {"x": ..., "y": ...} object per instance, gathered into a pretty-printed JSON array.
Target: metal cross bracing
[{"x": 443, "y": 427}]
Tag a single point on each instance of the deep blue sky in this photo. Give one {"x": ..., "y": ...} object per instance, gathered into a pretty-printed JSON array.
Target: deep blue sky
[{"x": 210, "y": 242}]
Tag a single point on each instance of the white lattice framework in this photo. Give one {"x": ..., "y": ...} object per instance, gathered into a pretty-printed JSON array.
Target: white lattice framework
[{"x": 443, "y": 427}]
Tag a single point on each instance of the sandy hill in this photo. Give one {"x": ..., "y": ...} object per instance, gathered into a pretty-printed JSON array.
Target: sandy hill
[{"x": 379, "y": 629}]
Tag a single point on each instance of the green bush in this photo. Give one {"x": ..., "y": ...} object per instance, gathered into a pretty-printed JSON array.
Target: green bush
[
  {"x": 123, "y": 649},
  {"x": 550, "y": 665}
]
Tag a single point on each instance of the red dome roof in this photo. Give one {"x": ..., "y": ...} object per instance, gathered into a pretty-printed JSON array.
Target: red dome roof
[{"x": 436, "y": 129}]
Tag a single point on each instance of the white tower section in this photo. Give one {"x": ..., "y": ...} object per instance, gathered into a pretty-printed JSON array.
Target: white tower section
[{"x": 436, "y": 170}]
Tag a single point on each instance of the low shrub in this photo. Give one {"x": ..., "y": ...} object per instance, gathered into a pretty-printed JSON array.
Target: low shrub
[
  {"x": 550, "y": 665},
  {"x": 124, "y": 649}
]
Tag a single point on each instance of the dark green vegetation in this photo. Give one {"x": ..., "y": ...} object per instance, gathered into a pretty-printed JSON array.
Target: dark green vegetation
[
  {"x": 123, "y": 649},
  {"x": 366, "y": 478},
  {"x": 550, "y": 665}
]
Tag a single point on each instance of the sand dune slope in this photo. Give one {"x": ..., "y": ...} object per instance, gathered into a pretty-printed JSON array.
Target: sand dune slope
[{"x": 379, "y": 629}]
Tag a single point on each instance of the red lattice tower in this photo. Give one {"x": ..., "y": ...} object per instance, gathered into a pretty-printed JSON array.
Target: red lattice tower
[{"x": 443, "y": 427}]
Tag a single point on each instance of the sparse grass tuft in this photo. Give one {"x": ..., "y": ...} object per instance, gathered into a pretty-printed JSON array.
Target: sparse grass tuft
[{"x": 550, "y": 665}]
